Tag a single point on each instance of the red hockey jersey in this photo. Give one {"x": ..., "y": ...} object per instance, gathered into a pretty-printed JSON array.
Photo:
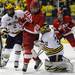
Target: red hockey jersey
[
  {"x": 34, "y": 22},
  {"x": 63, "y": 27}
]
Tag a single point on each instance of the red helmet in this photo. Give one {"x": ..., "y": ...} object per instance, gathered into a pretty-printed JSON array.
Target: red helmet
[
  {"x": 34, "y": 7},
  {"x": 56, "y": 23},
  {"x": 67, "y": 19}
]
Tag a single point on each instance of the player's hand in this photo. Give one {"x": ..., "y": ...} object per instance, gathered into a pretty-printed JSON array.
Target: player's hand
[{"x": 28, "y": 17}]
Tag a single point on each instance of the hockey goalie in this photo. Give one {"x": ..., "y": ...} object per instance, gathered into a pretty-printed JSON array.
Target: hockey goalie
[{"x": 56, "y": 62}]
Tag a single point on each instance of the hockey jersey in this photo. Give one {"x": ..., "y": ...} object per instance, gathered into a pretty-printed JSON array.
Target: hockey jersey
[
  {"x": 62, "y": 27},
  {"x": 50, "y": 39},
  {"x": 11, "y": 23},
  {"x": 52, "y": 44},
  {"x": 34, "y": 22}
]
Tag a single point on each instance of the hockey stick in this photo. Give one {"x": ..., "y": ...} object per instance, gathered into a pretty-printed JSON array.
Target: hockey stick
[
  {"x": 38, "y": 44},
  {"x": 39, "y": 52},
  {"x": 1, "y": 46}
]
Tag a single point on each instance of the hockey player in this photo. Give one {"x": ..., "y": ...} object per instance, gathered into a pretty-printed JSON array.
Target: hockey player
[
  {"x": 56, "y": 62},
  {"x": 64, "y": 27},
  {"x": 10, "y": 25},
  {"x": 35, "y": 20}
]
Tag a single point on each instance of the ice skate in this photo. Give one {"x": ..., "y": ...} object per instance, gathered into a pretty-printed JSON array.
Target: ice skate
[
  {"x": 4, "y": 58},
  {"x": 38, "y": 64},
  {"x": 3, "y": 63},
  {"x": 25, "y": 67}
]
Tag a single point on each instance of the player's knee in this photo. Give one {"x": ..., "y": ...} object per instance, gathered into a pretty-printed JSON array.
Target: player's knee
[
  {"x": 17, "y": 47},
  {"x": 6, "y": 53}
]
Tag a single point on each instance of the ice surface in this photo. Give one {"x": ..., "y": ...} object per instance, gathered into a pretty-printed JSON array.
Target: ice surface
[{"x": 9, "y": 70}]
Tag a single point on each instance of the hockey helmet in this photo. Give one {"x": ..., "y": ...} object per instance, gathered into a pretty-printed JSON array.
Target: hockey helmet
[
  {"x": 67, "y": 19},
  {"x": 56, "y": 23}
]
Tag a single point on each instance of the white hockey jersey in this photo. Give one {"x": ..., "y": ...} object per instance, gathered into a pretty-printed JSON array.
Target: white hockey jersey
[
  {"x": 52, "y": 43},
  {"x": 11, "y": 23},
  {"x": 50, "y": 39}
]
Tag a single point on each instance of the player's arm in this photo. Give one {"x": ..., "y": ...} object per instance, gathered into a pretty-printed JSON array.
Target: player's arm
[
  {"x": 40, "y": 23},
  {"x": 3, "y": 27},
  {"x": 57, "y": 29}
]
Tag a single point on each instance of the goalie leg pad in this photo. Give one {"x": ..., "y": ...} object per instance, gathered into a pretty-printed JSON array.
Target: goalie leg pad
[{"x": 63, "y": 66}]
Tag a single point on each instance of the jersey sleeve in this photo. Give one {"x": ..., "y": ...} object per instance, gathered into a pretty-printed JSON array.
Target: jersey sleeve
[
  {"x": 42, "y": 20},
  {"x": 3, "y": 23},
  {"x": 45, "y": 38}
]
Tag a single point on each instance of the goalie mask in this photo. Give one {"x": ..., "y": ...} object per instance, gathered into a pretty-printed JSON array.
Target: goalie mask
[
  {"x": 45, "y": 29},
  {"x": 34, "y": 7}
]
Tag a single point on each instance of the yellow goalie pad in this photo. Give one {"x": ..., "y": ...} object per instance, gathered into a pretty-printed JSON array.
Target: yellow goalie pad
[{"x": 51, "y": 51}]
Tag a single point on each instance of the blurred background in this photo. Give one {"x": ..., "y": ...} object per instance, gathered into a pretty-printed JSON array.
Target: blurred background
[{"x": 48, "y": 7}]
